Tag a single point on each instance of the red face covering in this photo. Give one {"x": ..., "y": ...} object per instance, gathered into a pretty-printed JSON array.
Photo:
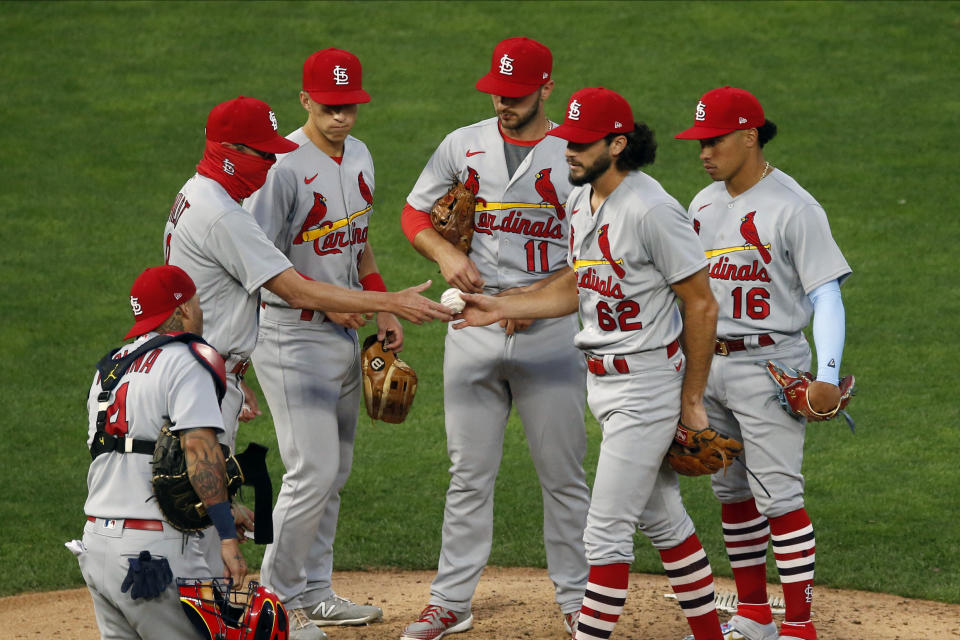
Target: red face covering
[{"x": 239, "y": 173}]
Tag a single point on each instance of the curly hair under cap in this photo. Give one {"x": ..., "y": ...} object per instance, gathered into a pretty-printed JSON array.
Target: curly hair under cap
[{"x": 641, "y": 148}]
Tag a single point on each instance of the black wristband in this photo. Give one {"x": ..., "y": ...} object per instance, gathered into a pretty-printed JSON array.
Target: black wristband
[{"x": 222, "y": 518}]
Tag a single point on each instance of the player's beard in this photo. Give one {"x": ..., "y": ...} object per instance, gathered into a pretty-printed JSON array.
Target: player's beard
[
  {"x": 522, "y": 119},
  {"x": 592, "y": 172}
]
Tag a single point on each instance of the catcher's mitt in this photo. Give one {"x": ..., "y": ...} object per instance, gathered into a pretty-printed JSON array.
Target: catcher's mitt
[
  {"x": 179, "y": 503},
  {"x": 452, "y": 216},
  {"x": 697, "y": 452},
  {"x": 792, "y": 393},
  {"x": 389, "y": 383}
]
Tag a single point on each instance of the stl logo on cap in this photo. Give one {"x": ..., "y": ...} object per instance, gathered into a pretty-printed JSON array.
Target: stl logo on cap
[
  {"x": 340, "y": 75},
  {"x": 273, "y": 121},
  {"x": 701, "y": 112},
  {"x": 506, "y": 65},
  {"x": 574, "y": 111},
  {"x": 135, "y": 305}
]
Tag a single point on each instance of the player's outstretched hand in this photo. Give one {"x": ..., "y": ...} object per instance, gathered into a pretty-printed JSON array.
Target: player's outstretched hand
[
  {"x": 459, "y": 270},
  {"x": 410, "y": 305},
  {"x": 234, "y": 564},
  {"x": 480, "y": 310}
]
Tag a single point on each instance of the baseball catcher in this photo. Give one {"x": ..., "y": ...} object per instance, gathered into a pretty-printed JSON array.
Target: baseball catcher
[
  {"x": 452, "y": 216},
  {"x": 389, "y": 383},
  {"x": 697, "y": 452},
  {"x": 792, "y": 387}
]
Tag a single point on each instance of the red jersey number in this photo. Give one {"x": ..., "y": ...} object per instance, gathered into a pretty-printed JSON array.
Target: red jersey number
[
  {"x": 117, "y": 412},
  {"x": 754, "y": 303},
  {"x": 620, "y": 317}
]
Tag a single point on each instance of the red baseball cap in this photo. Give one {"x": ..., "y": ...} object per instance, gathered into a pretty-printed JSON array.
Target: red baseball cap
[
  {"x": 334, "y": 76},
  {"x": 593, "y": 113},
  {"x": 723, "y": 110},
  {"x": 519, "y": 67},
  {"x": 247, "y": 121},
  {"x": 155, "y": 294}
]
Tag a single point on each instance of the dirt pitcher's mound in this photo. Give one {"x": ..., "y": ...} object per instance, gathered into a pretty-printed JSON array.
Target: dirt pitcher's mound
[{"x": 517, "y": 604}]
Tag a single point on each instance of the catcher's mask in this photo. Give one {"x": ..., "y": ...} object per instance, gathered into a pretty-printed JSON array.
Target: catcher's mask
[{"x": 220, "y": 612}]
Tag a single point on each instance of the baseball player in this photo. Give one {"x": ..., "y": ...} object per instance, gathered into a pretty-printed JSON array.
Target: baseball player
[
  {"x": 633, "y": 254},
  {"x": 226, "y": 253},
  {"x": 170, "y": 383},
  {"x": 773, "y": 260},
  {"x": 520, "y": 239},
  {"x": 316, "y": 207}
]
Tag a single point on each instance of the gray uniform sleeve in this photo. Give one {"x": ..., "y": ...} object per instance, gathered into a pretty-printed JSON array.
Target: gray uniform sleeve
[
  {"x": 242, "y": 249},
  {"x": 811, "y": 246},
  {"x": 672, "y": 243},
  {"x": 192, "y": 398},
  {"x": 274, "y": 205},
  {"x": 436, "y": 178}
]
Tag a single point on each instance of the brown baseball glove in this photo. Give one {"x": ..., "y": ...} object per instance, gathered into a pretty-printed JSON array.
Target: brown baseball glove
[
  {"x": 697, "y": 452},
  {"x": 792, "y": 393},
  {"x": 389, "y": 383},
  {"x": 452, "y": 216}
]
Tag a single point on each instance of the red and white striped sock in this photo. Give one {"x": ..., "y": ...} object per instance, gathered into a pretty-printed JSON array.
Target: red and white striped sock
[
  {"x": 688, "y": 571},
  {"x": 795, "y": 551},
  {"x": 746, "y": 534},
  {"x": 603, "y": 601}
]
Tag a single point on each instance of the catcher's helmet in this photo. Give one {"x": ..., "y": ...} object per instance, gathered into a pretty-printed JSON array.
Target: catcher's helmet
[{"x": 220, "y": 612}]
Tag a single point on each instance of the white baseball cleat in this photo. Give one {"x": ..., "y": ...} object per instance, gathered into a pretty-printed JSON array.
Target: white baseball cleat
[
  {"x": 435, "y": 622},
  {"x": 340, "y": 611}
]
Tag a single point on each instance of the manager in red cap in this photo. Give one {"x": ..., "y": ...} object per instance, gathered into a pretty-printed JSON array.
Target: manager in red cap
[
  {"x": 633, "y": 255},
  {"x": 317, "y": 206},
  {"x": 783, "y": 245},
  {"x": 223, "y": 249},
  {"x": 522, "y": 222}
]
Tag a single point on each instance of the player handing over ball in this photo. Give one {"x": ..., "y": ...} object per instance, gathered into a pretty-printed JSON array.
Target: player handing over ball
[{"x": 633, "y": 253}]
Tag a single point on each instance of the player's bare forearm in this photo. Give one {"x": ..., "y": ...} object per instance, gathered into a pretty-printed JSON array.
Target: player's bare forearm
[
  {"x": 699, "y": 334},
  {"x": 556, "y": 299},
  {"x": 301, "y": 293},
  {"x": 206, "y": 467},
  {"x": 456, "y": 267}
]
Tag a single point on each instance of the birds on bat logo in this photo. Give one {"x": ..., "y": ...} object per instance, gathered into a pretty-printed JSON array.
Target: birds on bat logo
[
  {"x": 548, "y": 192},
  {"x": 749, "y": 232}
]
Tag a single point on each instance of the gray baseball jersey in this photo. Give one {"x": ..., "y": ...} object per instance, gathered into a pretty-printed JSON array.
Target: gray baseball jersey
[
  {"x": 520, "y": 226},
  {"x": 521, "y": 231},
  {"x": 166, "y": 382},
  {"x": 768, "y": 247},
  {"x": 317, "y": 212},
  {"x": 225, "y": 252},
  {"x": 626, "y": 255}
]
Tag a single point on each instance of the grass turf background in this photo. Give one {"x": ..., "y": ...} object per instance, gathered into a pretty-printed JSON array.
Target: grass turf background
[{"x": 104, "y": 105}]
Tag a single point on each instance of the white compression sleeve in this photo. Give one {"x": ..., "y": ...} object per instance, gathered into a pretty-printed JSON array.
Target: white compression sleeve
[{"x": 829, "y": 330}]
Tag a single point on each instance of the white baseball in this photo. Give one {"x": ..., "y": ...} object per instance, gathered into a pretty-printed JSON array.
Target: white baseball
[{"x": 452, "y": 299}]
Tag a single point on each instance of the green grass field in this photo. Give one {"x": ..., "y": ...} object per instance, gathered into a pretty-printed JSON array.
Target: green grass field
[{"x": 103, "y": 111}]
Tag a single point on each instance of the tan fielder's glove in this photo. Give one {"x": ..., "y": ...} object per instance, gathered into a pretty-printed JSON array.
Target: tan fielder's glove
[
  {"x": 389, "y": 383},
  {"x": 452, "y": 216},
  {"x": 697, "y": 452},
  {"x": 792, "y": 388}
]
